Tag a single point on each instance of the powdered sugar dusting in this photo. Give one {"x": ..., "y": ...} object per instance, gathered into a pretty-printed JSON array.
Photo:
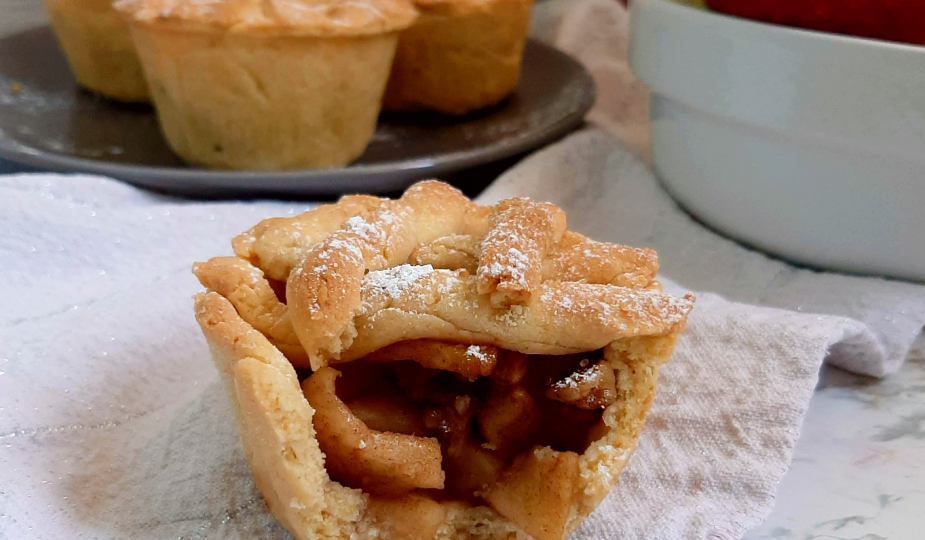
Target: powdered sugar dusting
[
  {"x": 519, "y": 266},
  {"x": 476, "y": 352},
  {"x": 513, "y": 250},
  {"x": 515, "y": 264},
  {"x": 393, "y": 281},
  {"x": 365, "y": 229},
  {"x": 580, "y": 377},
  {"x": 494, "y": 269},
  {"x": 341, "y": 245},
  {"x": 255, "y": 274}
]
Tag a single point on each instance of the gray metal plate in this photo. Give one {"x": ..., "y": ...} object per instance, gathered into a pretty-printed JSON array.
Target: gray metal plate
[{"x": 47, "y": 121}]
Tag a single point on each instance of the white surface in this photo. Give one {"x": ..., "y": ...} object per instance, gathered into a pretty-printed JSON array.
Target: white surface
[
  {"x": 858, "y": 469},
  {"x": 805, "y": 144}
]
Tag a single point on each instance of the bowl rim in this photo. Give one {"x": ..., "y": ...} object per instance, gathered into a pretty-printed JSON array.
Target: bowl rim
[{"x": 846, "y": 90}]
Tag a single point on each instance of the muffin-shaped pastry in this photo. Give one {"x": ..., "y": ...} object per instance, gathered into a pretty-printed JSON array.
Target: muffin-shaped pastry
[
  {"x": 267, "y": 84},
  {"x": 467, "y": 371},
  {"x": 98, "y": 47},
  {"x": 460, "y": 55}
]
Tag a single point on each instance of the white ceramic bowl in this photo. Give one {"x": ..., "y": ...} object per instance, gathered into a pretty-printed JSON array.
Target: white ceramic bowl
[{"x": 810, "y": 146}]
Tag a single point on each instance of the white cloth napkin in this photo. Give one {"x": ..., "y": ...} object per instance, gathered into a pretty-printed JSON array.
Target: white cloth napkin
[{"x": 112, "y": 424}]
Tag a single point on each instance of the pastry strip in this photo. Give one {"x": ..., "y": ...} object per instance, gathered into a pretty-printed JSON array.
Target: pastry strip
[
  {"x": 276, "y": 245},
  {"x": 512, "y": 253},
  {"x": 324, "y": 290},
  {"x": 378, "y": 462},
  {"x": 253, "y": 297},
  {"x": 418, "y": 302},
  {"x": 578, "y": 258},
  {"x": 573, "y": 258}
]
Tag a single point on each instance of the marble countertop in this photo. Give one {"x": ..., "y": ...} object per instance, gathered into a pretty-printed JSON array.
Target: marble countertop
[{"x": 858, "y": 471}]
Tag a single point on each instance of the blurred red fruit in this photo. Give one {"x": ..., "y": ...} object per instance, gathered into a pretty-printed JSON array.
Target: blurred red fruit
[{"x": 893, "y": 20}]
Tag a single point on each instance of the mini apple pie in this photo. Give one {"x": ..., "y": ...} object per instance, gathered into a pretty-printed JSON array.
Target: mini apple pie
[
  {"x": 459, "y": 56},
  {"x": 429, "y": 368},
  {"x": 267, "y": 84},
  {"x": 98, "y": 47}
]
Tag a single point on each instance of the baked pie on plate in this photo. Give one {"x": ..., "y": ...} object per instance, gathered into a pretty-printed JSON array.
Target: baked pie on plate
[{"x": 431, "y": 368}]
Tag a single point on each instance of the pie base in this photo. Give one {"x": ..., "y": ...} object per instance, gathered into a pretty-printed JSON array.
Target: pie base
[
  {"x": 279, "y": 439},
  {"x": 459, "y": 56},
  {"x": 261, "y": 102},
  {"x": 98, "y": 48}
]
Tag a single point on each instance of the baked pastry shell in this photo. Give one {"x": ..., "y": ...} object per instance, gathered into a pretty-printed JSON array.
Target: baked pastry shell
[
  {"x": 239, "y": 100},
  {"x": 96, "y": 41},
  {"x": 459, "y": 56},
  {"x": 279, "y": 440}
]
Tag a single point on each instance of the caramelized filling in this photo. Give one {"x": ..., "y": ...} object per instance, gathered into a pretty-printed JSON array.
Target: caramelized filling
[
  {"x": 486, "y": 416},
  {"x": 279, "y": 288}
]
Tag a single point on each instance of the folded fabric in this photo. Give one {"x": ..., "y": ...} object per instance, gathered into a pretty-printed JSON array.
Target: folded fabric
[{"x": 112, "y": 424}]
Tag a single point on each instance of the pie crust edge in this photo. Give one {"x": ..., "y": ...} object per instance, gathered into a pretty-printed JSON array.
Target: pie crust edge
[{"x": 275, "y": 422}]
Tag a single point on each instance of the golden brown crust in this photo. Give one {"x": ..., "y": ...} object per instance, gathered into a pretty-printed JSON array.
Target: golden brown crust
[
  {"x": 276, "y": 245},
  {"x": 361, "y": 301},
  {"x": 577, "y": 258},
  {"x": 276, "y": 427},
  {"x": 275, "y": 17},
  {"x": 459, "y": 56},
  {"x": 259, "y": 101},
  {"x": 573, "y": 258},
  {"x": 96, "y": 40},
  {"x": 281, "y": 446},
  {"x": 254, "y": 299},
  {"x": 411, "y": 516},
  {"x": 564, "y": 318},
  {"x": 453, "y": 252},
  {"x": 324, "y": 291}
]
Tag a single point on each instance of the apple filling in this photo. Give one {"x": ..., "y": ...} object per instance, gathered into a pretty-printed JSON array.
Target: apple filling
[{"x": 438, "y": 421}]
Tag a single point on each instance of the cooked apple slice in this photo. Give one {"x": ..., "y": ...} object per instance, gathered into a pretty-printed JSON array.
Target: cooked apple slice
[
  {"x": 536, "y": 492},
  {"x": 591, "y": 387},
  {"x": 390, "y": 412},
  {"x": 376, "y": 462},
  {"x": 511, "y": 368},
  {"x": 509, "y": 418},
  {"x": 471, "y": 470}
]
